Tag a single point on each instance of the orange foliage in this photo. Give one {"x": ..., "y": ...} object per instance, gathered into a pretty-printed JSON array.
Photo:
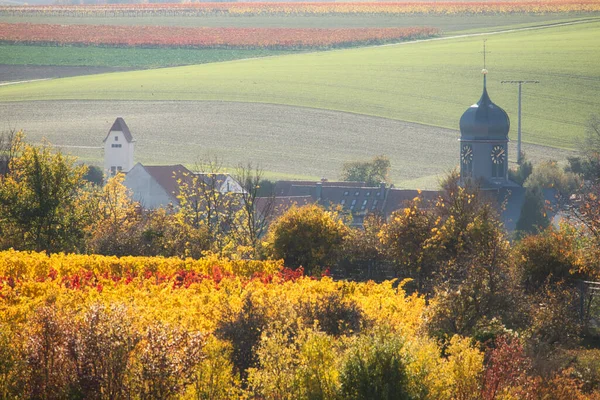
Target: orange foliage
[{"x": 166, "y": 36}]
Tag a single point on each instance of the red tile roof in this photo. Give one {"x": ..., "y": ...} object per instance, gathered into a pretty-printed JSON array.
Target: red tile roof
[{"x": 168, "y": 175}]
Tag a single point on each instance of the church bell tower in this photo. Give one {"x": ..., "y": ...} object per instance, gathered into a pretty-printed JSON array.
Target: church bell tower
[
  {"x": 484, "y": 142},
  {"x": 118, "y": 149}
]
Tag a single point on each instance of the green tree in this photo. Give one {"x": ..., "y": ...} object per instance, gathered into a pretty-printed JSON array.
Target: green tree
[
  {"x": 42, "y": 201},
  {"x": 548, "y": 175},
  {"x": 588, "y": 164},
  {"x": 371, "y": 172},
  {"x": 375, "y": 369},
  {"x": 307, "y": 236},
  {"x": 533, "y": 214}
]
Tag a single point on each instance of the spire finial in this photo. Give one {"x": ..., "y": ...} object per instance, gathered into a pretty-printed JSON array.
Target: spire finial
[{"x": 484, "y": 70}]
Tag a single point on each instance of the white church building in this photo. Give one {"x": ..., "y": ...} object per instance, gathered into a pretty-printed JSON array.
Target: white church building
[
  {"x": 153, "y": 186},
  {"x": 118, "y": 149}
]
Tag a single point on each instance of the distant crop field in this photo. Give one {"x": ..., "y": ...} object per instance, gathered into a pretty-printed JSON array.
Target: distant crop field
[
  {"x": 447, "y": 24},
  {"x": 308, "y": 8},
  {"x": 430, "y": 82},
  {"x": 177, "y": 37}
]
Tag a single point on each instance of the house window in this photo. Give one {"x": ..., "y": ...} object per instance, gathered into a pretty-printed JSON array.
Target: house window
[
  {"x": 368, "y": 194},
  {"x": 113, "y": 171},
  {"x": 116, "y": 145},
  {"x": 346, "y": 193},
  {"x": 353, "y": 202},
  {"x": 374, "y": 204},
  {"x": 365, "y": 202},
  {"x": 116, "y": 138},
  {"x": 343, "y": 201},
  {"x": 357, "y": 193},
  {"x": 119, "y": 168},
  {"x": 378, "y": 194}
]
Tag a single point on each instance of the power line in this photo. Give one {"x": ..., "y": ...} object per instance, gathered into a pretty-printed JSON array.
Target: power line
[{"x": 520, "y": 83}]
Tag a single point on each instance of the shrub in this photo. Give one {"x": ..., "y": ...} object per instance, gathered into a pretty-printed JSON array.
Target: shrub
[
  {"x": 11, "y": 365},
  {"x": 243, "y": 329},
  {"x": 506, "y": 367},
  {"x": 463, "y": 369},
  {"x": 50, "y": 369},
  {"x": 277, "y": 357},
  {"x": 101, "y": 347},
  {"x": 214, "y": 377},
  {"x": 307, "y": 236},
  {"x": 375, "y": 369},
  {"x": 166, "y": 360},
  {"x": 335, "y": 315},
  {"x": 547, "y": 257}
]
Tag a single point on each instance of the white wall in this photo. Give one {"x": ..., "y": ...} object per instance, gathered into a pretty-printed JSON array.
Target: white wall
[
  {"x": 145, "y": 189},
  {"x": 117, "y": 156}
]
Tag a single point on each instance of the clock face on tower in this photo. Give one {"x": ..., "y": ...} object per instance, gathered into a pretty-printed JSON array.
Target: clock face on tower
[
  {"x": 498, "y": 154},
  {"x": 466, "y": 154}
]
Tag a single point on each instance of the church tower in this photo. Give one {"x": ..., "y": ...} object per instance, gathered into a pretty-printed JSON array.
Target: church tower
[
  {"x": 118, "y": 149},
  {"x": 484, "y": 142}
]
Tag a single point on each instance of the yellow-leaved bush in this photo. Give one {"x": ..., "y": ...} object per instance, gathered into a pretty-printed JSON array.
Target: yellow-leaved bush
[{"x": 303, "y": 331}]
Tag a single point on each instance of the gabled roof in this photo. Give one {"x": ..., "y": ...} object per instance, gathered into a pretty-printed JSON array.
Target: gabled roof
[
  {"x": 277, "y": 206},
  {"x": 168, "y": 175},
  {"x": 120, "y": 126},
  {"x": 284, "y": 188},
  {"x": 399, "y": 198},
  {"x": 358, "y": 200}
]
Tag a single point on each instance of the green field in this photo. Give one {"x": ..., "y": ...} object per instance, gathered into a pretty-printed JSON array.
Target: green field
[
  {"x": 122, "y": 57},
  {"x": 429, "y": 82}
]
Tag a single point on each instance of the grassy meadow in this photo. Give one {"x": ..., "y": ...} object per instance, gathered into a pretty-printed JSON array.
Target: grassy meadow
[
  {"x": 139, "y": 58},
  {"x": 429, "y": 82}
]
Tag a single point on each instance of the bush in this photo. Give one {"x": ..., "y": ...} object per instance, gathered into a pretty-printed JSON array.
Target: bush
[
  {"x": 214, "y": 377},
  {"x": 166, "y": 360},
  {"x": 50, "y": 370},
  {"x": 307, "y": 236},
  {"x": 548, "y": 257},
  {"x": 101, "y": 346},
  {"x": 335, "y": 315},
  {"x": 243, "y": 330},
  {"x": 375, "y": 369}
]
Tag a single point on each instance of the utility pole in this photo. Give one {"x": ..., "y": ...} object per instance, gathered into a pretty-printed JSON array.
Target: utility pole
[{"x": 520, "y": 83}]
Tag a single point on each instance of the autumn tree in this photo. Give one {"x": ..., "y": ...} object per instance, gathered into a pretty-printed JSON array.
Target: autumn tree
[
  {"x": 112, "y": 233},
  {"x": 253, "y": 214},
  {"x": 371, "y": 172},
  {"x": 203, "y": 203},
  {"x": 363, "y": 252},
  {"x": 404, "y": 238},
  {"x": 307, "y": 236},
  {"x": 42, "y": 201}
]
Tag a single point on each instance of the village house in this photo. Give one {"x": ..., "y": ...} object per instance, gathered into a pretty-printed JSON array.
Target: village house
[{"x": 153, "y": 186}]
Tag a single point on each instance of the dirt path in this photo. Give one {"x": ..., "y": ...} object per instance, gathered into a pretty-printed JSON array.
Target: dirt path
[{"x": 16, "y": 74}]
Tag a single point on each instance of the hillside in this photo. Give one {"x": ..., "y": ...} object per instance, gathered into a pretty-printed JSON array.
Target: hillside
[{"x": 403, "y": 82}]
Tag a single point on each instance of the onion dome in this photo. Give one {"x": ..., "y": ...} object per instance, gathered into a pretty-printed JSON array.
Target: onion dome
[{"x": 484, "y": 120}]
